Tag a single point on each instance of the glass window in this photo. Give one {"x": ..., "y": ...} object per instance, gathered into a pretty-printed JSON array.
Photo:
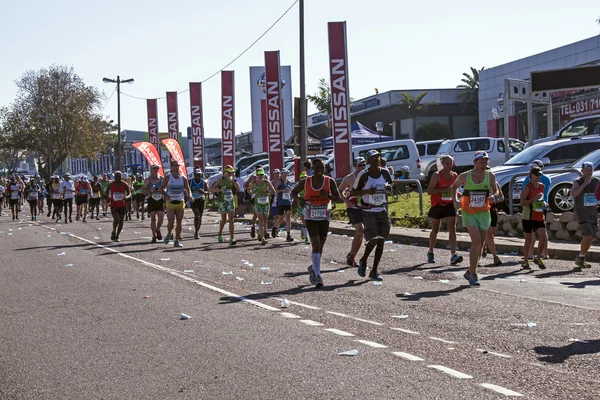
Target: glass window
[
  {"x": 570, "y": 152},
  {"x": 472, "y": 145},
  {"x": 444, "y": 148},
  {"x": 421, "y": 148},
  {"x": 392, "y": 153},
  {"x": 432, "y": 149},
  {"x": 578, "y": 128},
  {"x": 515, "y": 146},
  {"x": 596, "y": 127}
]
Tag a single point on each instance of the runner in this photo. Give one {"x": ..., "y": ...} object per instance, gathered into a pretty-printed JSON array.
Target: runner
[
  {"x": 139, "y": 198},
  {"x": 82, "y": 190},
  {"x": 274, "y": 210},
  {"x": 128, "y": 199},
  {"x": 42, "y": 195},
  {"x": 117, "y": 192},
  {"x": 317, "y": 213},
  {"x": 32, "y": 193},
  {"x": 227, "y": 187},
  {"x": 355, "y": 214},
  {"x": 241, "y": 196},
  {"x": 479, "y": 191},
  {"x": 303, "y": 231},
  {"x": 67, "y": 189},
  {"x": 284, "y": 204},
  {"x": 156, "y": 204},
  {"x": 586, "y": 192},
  {"x": 489, "y": 243},
  {"x": 174, "y": 187},
  {"x": 547, "y": 182},
  {"x": 15, "y": 195},
  {"x": 374, "y": 184},
  {"x": 2, "y": 194},
  {"x": 532, "y": 201},
  {"x": 49, "y": 198},
  {"x": 56, "y": 198},
  {"x": 104, "y": 194},
  {"x": 250, "y": 197},
  {"x": 95, "y": 195},
  {"x": 442, "y": 207},
  {"x": 198, "y": 188},
  {"x": 261, "y": 188}
]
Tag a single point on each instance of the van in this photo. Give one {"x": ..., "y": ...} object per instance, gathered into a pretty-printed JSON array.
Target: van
[{"x": 398, "y": 153}]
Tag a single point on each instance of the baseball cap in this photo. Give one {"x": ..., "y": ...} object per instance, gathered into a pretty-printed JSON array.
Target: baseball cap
[
  {"x": 372, "y": 153},
  {"x": 359, "y": 160},
  {"x": 155, "y": 166},
  {"x": 405, "y": 168},
  {"x": 537, "y": 171},
  {"x": 537, "y": 163},
  {"x": 587, "y": 164},
  {"x": 197, "y": 171},
  {"x": 260, "y": 171},
  {"x": 67, "y": 175},
  {"x": 480, "y": 154},
  {"x": 229, "y": 168},
  {"x": 276, "y": 171},
  {"x": 84, "y": 178}
]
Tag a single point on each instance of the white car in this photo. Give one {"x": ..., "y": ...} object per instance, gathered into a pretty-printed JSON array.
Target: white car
[
  {"x": 583, "y": 126},
  {"x": 428, "y": 151},
  {"x": 463, "y": 150}
]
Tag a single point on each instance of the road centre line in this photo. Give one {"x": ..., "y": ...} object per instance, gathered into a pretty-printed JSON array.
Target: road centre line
[
  {"x": 501, "y": 390},
  {"x": 407, "y": 356},
  {"x": 375, "y": 345},
  {"x": 289, "y": 315},
  {"x": 339, "y": 332},
  {"x": 493, "y": 353},
  {"x": 310, "y": 322},
  {"x": 441, "y": 340},
  {"x": 405, "y": 331},
  {"x": 450, "y": 371}
]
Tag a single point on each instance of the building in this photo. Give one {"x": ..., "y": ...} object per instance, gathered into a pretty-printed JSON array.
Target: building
[
  {"x": 444, "y": 115},
  {"x": 567, "y": 104}
]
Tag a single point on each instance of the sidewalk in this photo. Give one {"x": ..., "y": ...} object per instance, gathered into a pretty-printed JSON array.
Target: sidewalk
[{"x": 420, "y": 237}]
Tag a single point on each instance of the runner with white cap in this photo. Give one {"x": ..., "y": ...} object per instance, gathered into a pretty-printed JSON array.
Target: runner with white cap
[
  {"x": 67, "y": 189},
  {"x": 586, "y": 192},
  {"x": 353, "y": 208},
  {"x": 82, "y": 192}
]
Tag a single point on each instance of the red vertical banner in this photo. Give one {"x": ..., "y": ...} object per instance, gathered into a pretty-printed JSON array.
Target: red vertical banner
[
  {"x": 263, "y": 124},
  {"x": 172, "y": 115},
  {"x": 152, "y": 108},
  {"x": 227, "y": 118},
  {"x": 197, "y": 125},
  {"x": 274, "y": 114},
  {"x": 340, "y": 98}
]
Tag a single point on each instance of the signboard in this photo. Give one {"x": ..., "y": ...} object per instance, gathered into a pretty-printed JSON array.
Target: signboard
[
  {"x": 227, "y": 118},
  {"x": 172, "y": 115},
  {"x": 274, "y": 109},
  {"x": 197, "y": 125},
  {"x": 580, "y": 108}
]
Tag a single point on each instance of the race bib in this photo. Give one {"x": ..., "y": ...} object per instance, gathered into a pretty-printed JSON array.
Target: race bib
[
  {"x": 14, "y": 195},
  {"x": 286, "y": 196},
  {"x": 33, "y": 196},
  {"x": 446, "y": 196},
  {"x": 538, "y": 206},
  {"x": 176, "y": 196},
  {"x": 317, "y": 212},
  {"x": 477, "y": 199},
  {"x": 56, "y": 196},
  {"x": 589, "y": 200},
  {"x": 378, "y": 199},
  {"x": 118, "y": 196},
  {"x": 95, "y": 195},
  {"x": 197, "y": 195},
  {"x": 262, "y": 199},
  {"x": 157, "y": 196},
  {"x": 83, "y": 191},
  {"x": 228, "y": 195},
  {"x": 68, "y": 193}
]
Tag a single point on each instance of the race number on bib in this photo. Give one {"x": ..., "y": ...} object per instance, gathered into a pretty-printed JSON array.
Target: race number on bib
[
  {"x": 95, "y": 195},
  {"x": 477, "y": 199},
  {"x": 176, "y": 196},
  {"x": 446, "y": 196},
  {"x": 157, "y": 196},
  {"x": 538, "y": 206},
  {"x": 262, "y": 199},
  {"x": 197, "y": 195},
  {"x": 589, "y": 200},
  {"x": 228, "y": 195},
  {"x": 33, "y": 196},
  {"x": 14, "y": 195},
  {"x": 286, "y": 196},
  {"x": 118, "y": 196},
  {"x": 56, "y": 196},
  {"x": 317, "y": 212},
  {"x": 83, "y": 191},
  {"x": 377, "y": 199}
]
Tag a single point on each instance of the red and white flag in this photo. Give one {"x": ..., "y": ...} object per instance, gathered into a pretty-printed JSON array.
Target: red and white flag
[
  {"x": 172, "y": 116},
  {"x": 150, "y": 153},
  {"x": 227, "y": 118},
  {"x": 274, "y": 109},
  {"x": 197, "y": 125},
  {"x": 152, "y": 107},
  {"x": 340, "y": 98},
  {"x": 176, "y": 154}
]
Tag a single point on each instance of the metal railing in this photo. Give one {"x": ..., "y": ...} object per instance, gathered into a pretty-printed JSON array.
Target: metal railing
[
  {"x": 418, "y": 183},
  {"x": 546, "y": 172}
]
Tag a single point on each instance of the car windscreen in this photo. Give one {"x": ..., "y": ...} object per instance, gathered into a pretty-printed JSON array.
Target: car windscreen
[
  {"x": 528, "y": 155},
  {"x": 444, "y": 148},
  {"x": 593, "y": 157}
]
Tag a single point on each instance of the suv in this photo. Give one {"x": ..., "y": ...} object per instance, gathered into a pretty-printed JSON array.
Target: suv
[
  {"x": 428, "y": 151},
  {"x": 463, "y": 150},
  {"x": 584, "y": 126},
  {"x": 555, "y": 154}
]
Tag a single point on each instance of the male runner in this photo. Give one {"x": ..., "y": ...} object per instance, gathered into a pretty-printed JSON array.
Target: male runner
[
  {"x": 82, "y": 190},
  {"x": 276, "y": 174},
  {"x": 15, "y": 194},
  {"x": 284, "y": 204},
  {"x": 354, "y": 210},
  {"x": 67, "y": 190},
  {"x": 174, "y": 187},
  {"x": 156, "y": 204},
  {"x": 547, "y": 182},
  {"x": 32, "y": 192},
  {"x": 198, "y": 188},
  {"x": 138, "y": 197},
  {"x": 117, "y": 192},
  {"x": 95, "y": 195},
  {"x": 532, "y": 201},
  {"x": 261, "y": 188},
  {"x": 56, "y": 198},
  {"x": 586, "y": 193},
  {"x": 104, "y": 194}
]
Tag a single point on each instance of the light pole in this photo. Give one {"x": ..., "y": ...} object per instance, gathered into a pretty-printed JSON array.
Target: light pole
[
  {"x": 118, "y": 81},
  {"x": 303, "y": 131}
]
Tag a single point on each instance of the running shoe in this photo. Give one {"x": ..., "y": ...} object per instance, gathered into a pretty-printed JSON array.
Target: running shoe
[
  {"x": 232, "y": 242},
  {"x": 374, "y": 276},
  {"x": 484, "y": 253},
  {"x": 153, "y": 240},
  {"x": 112, "y": 236},
  {"x": 158, "y": 234},
  {"x": 538, "y": 261},
  {"x": 312, "y": 276},
  {"x": 263, "y": 241},
  {"x": 497, "y": 260},
  {"x": 196, "y": 236},
  {"x": 525, "y": 264},
  {"x": 172, "y": 236},
  {"x": 220, "y": 238},
  {"x": 319, "y": 281},
  {"x": 266, "y": 235},
  {"x": 274, "y": 232},
  {"x": 455, "y": 259},
  {"x": 97, "y": 219},
  {"x": 362, "y": 268},
  {"x": 307, "y": 240},
  {"x": 177, "y": 244},
  {"x": 253, "y": 232},
  {"x": 302, "y": 234},
  {"x": 117, "y": 239},
  {"x": 350, "y": 260},
  {"x": 580, "y": 261},
  {"x": 430, "y": 258},
  {"x": 166, "y": 240},
  {"x": 289, "y": 238},
  {"x": 473, "y": 279}
]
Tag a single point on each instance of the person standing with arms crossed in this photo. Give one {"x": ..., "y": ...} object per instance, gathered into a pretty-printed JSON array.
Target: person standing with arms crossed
[
  {"x": 479, "y": 190},
  {"x": 354, "y": 210},
  {"x": 586, "y": 193}
]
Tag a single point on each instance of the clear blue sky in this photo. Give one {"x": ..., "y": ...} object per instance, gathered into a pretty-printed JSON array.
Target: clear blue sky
[{"x": 164, "y": 45}]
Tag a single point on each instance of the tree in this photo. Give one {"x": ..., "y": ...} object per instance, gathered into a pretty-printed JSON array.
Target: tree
[
  {"x": 60, "y": 116},
  {"x": 469, "y": 95},
  {"x": 322, "y": 99},
  {"x": 413, "y": 107},
  {"x": 10, "y": 142}
]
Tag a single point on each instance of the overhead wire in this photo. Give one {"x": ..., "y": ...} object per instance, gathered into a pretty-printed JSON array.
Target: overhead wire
[
  {"x": 232, "y": 61},
  {"x": 108, "y": 101}
]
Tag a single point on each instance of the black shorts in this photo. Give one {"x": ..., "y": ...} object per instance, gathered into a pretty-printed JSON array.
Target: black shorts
[
  {"x": 317, "y": 228},
  {"x": 494, "y": 215},
  {"x": 32, "y": 203},
  {"x": 377, "y": 225},
  {"x": 94, "y": 202},
  {"x": 105, "y": 197},
  {"x": 13, "y": 202},
  {"x": 531, "y": 225},
  {"x": 140, "y": 197},
  {"x": 198, "y": 204},
  {"x": 155, "y": 205},
  {"x": 440, "y": 212},
  {"x": 355, "y": 215},
  {"x": 79, "y": 200},
  {"x": 120, "y": 211},
  {"x": 282, "y": 209}
]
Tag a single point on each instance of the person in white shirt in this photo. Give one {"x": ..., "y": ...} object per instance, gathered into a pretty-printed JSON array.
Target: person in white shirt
[{"x": 67, "y": 189}]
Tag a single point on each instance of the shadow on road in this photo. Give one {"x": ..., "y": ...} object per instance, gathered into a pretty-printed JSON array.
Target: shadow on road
[
  {"x": 551, "y": 274},
  {"x": 432, "y": 294},
  {"x": 323, "y": 271},
  {"x": 406, "y": 269},
  {"x": 557, "y": 355},
  {"x": 581, "y": 285},
  {"x": 507, "y": 274}
]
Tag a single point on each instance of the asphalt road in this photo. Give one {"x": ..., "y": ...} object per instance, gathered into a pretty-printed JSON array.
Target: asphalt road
[{"x": 86, "y": 318}]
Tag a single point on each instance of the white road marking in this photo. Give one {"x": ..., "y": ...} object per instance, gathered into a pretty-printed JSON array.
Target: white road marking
[
  {"x": 450, "y": 371},
  {"x": 441, "y": 340},
  {"x": 338, "y": 314},
  {"x": 289, "y": 315},
  {"x": 338, "y": 332},
  {"x": 179, "y": 275},
  {"x": 303, "y": 305},
  {"x": 311, "y": 322},
  {"x": 409, "y": 357},
  {"x": 367, "y": 321},
  {"x": 501, "y": 390},
  {"x": 493, "y": 353},
  {"x": 405, "y": 331},
  {"x": 372, "y": 344}
]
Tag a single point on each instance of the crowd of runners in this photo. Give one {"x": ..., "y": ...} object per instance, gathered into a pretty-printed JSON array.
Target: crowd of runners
[{"x": 365, "y": 193}]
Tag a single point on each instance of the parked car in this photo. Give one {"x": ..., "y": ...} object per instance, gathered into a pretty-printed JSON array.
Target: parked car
[
  {"x": 463, "y": 150},
  {"x": 559, "y": 197},
  {"x": 555, "y": 154},
  {"x": 428, "y": 151},
  {"x": 246, "y": 161},
  {"x": 583, "y": 126},
  {"x": 398, "y": 153}
]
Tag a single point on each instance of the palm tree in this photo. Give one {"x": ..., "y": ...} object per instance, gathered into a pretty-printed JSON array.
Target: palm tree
[
  {"x": 470, "y": 94},
  {"x": 413, "y": 106},
  {"x": 322, "y": 99}
]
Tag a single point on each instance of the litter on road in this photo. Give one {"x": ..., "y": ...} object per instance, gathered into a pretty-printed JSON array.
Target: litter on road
[
  {"x": 285, "y": 303},
  {"x": 266, "y": 283},
  {"x": 184, "y": 316},
  {"x": 69, "y": 265},
  {"x": 164, "y": 259},
  {"x": 227, "y": 273},
  {"x": 531, "y": 324},
  {"x": 400, "y": 316},
  {"x": 188, "y": 271},
  {"x": 61, "y": 254}
]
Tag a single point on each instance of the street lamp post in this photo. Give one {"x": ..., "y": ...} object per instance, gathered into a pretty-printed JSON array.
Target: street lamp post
[
  {"x": 303, "y": 130},
  {"x": 118, "y": 81}
]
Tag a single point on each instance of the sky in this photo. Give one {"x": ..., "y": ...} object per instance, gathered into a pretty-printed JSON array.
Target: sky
[{"x": 392, "y": 45}]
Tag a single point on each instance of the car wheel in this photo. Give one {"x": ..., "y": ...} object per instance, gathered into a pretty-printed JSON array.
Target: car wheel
[{"x": 560, "y": 198}]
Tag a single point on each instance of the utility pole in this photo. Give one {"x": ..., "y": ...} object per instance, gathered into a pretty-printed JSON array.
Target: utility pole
[
  {"x": 303, "y": 129},
  {"x": 118, "y": 81}
]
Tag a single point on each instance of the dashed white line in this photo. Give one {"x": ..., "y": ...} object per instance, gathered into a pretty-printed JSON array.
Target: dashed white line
[
  {"x": 407, "y": 356},
  {"x": 372, "y": 344},
  {"x": 493, "y": 353},
  {"x": 310, "y": 322},
  {"x": 367, "y": 321},
  {"x": 338, "y": 314},
  {"x": 339, "y": 332},
  {"x": 501, "y": 390},
  {"x": 303, "y": 305},
  {"x": 450, "y": 371},
  {"x": 441, "y": 340},
  {"x": 405, "y": 331},
  {"x": 289, "y": 315}
]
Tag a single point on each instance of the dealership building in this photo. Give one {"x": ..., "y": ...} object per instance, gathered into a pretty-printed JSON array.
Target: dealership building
[{"x": 566, "y": 104}]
